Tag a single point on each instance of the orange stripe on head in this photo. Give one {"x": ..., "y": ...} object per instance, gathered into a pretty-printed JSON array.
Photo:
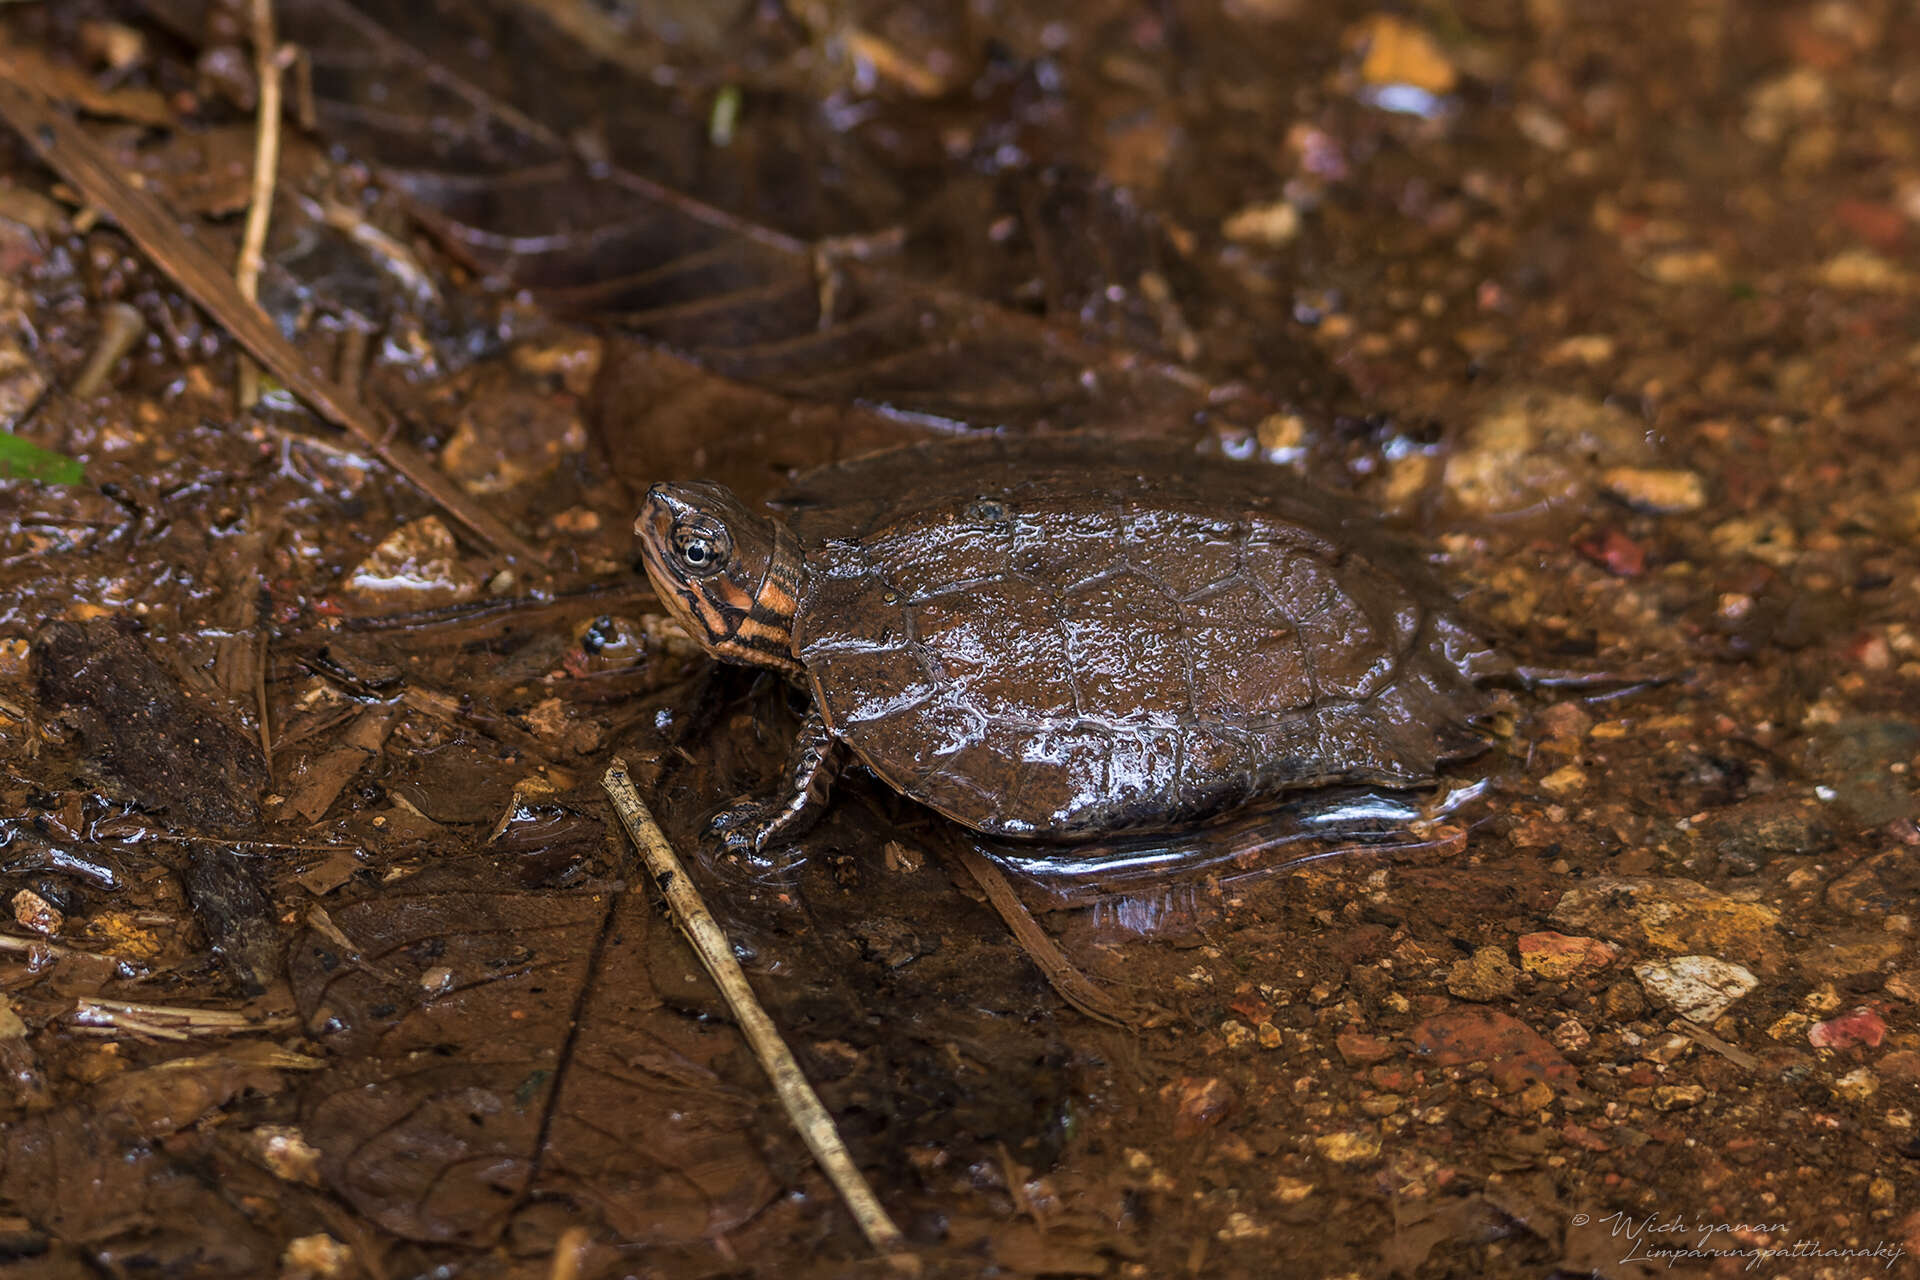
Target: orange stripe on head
[
  {"x": 762, "y": 635},
  {"x": 751, "y": 656},
  {"x": 731, "y": 577},
  {"x": 774, "y": 600}
]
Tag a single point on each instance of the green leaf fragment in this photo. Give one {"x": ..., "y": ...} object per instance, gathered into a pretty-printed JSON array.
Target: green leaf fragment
[{"x": 24, "y": 460}]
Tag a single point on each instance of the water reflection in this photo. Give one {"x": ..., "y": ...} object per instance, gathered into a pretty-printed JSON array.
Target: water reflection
[{"x": 1148, "y": 884}]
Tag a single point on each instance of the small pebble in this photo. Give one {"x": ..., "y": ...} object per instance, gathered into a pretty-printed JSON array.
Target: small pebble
[
  {"x": 1685, "y": 266},
  {"x": 1200, "y": 1102},
  {"x": 1902, "y": 1065},
  {"x": 1398, "y": 52},
  {"x": 1860, "y": 1026},
  {"x": 1664, "y": 491},
  {"x": 1291, "y": 1190},
  {"x": 1267, "y": 225},
  {"x": 1789, "y": 1027},
  {"x": 1350, "y": 1147},
  {"x": 1677, "y": 1097},
  {"x": 31, "y": 911},
  {"x": 1615, "y": 552},
  {"x": 1857, "y": 1085},
  {"x": 1586, "y": 348},
  {"x": 1484, "y": 976},
  {"x": 318, "y": 1257},
  {"x": 1243, "y": 1226},
  {"x": 1359, "y": 1048},
  {"x": 1558, "y": 957},
  {"x": 1699, "y": 988},
  {"x": 1863, "y": 271},
  {"x": 1842, "y": 956},
  {"x": 1571, "y": 1036},
  {"x": 1623, "y": 1001},
  {"x": 1564, "y": 781},
  {"x": 416, "y": 567}
]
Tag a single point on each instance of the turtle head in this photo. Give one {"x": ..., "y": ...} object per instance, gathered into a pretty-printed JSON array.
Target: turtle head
[{"x": 731, "y": 577}]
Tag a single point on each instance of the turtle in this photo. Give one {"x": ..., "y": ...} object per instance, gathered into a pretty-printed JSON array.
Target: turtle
[{"x": 1065, "y": 638}]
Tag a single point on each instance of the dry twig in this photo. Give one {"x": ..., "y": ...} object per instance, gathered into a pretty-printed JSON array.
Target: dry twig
[
  {"x": 1700, "y": 1035},
  {"x": 170, "y": 1022},
  {"x": 716, "y": 953},
  {"x": 71, "y": 153},
  {"x": 268, "y": 61},
  {"x": 121, "y": 327}
]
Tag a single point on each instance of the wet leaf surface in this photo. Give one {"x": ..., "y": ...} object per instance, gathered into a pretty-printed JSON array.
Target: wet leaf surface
[
  {"x": 324, "y": 960},
  {"x": 153, "y": 746},
  {"x": 796, "y": 267},
  {"x": 486, "y": 1073}
]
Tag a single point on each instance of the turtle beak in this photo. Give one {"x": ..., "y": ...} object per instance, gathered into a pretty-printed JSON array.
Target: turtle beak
[
  {"x": 653, "y": 528},
  {"x": 658, "y": 512}
]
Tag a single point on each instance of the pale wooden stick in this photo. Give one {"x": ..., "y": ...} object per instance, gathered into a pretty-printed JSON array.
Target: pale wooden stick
[
  {"x": 716, "y": 953},
  {"x": 170, "y": 1022},
  {"x": 569, "y": 1251},
  {"x": 68, "y": 150},
  {"x": 266, "y": 170}
]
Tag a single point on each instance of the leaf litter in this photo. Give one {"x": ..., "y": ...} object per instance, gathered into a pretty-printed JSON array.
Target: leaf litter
[{"x": 1565, "y": 342}]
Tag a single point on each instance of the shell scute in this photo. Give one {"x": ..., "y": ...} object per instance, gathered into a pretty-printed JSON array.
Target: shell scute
[
  {"x": 1249, "y": 677},
  {"x": 1298, "y": 584},
  {"x": 997, "y": 646},
  {"x": 917, "y": 562},
  {"x": 1129, "y": 649},
  {"x": 1062, "y": 551},
  {"x": 1182, "y": 549},
  {"x": 929, "y": 742},
  {"x": 897, "y": 677},
  {"x": 1351, "y": 657},
  {"x": 1144, "y": 765}
]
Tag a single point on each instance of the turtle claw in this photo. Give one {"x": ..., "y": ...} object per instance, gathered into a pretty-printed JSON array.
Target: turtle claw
[{"x": 746, "y": 829}]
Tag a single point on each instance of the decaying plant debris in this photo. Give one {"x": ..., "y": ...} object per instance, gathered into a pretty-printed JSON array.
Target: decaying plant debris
[{"x": 324, "y": 959}]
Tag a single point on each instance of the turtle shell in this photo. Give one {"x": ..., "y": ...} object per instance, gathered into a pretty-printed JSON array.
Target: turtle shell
[{"x": 1063, "y": 637}]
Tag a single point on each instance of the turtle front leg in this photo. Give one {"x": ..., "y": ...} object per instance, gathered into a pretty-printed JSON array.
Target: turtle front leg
[{"x": 750, "y": 827}]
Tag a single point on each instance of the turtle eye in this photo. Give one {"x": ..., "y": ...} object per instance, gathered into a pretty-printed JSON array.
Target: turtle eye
[{"x": 701, "y": 551}]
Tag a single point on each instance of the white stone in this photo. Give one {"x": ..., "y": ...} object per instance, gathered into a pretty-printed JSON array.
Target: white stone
[{"x": 1698, "y": 988}]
